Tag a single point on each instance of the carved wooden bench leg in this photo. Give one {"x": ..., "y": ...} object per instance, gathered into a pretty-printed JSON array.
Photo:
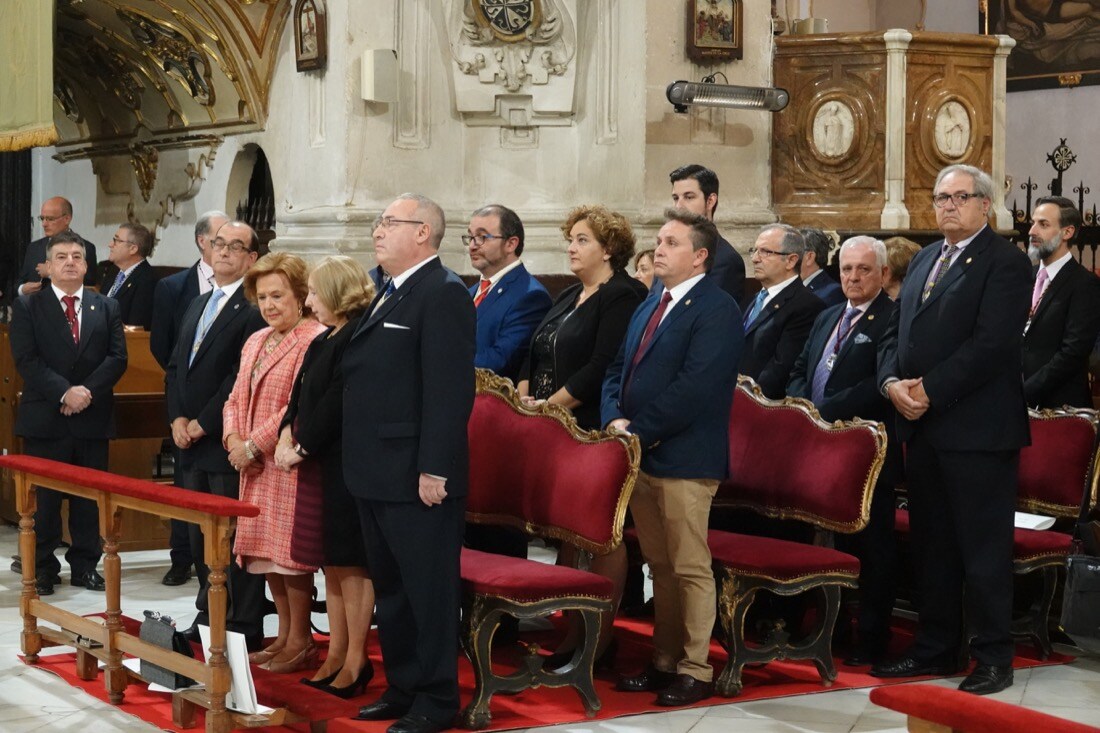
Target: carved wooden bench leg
[
  {"x": 87, "y": 665},
  {"x": 183, "y": 712},
  {"x": 31, "y": 639},
  {"x": 216, "y": 539},
  {"x": 479, "y": 624},
  {"x": 821, "y": 645},
  {"x": 733, "y": 604},
  {"x": 110, "y": 528},
  {"x": 582, "y": 672}
]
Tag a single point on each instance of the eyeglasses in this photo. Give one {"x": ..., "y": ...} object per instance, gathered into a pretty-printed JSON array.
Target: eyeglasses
[
  {"x": 940, "y": 199},
  {"x": 116, "y": 240},
  {"x": 50, "y": 219},
  {"x": 388, "y": 222},
  {"x": 478, "y": 240},
  {"x": 764, "y": 252},
  {"x": 236, "y": 246}
]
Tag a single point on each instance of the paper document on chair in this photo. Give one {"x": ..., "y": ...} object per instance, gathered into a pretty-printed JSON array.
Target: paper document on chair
[
  {"x": 242, "y": 691},
  {"x": 1033, "y": 521}
]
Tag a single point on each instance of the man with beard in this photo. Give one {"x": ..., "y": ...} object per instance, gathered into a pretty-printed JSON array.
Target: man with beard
[{"x": 1065, "y": 312}]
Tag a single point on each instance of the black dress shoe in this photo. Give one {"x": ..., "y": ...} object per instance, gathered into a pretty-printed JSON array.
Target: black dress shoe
[
  {"x": 417, "y": 724},
  {"x": 987, "y": 679},
  {"x": 43, "y": 586},
  {"x": 911, "y": 667},
  {"x": 90, "y": 580},
  {"x": 382, "y": 710},
  {"x": 650, "y": 679},
  {"x": 685, "y": 691},
  {"x": 177, "y": 575}
]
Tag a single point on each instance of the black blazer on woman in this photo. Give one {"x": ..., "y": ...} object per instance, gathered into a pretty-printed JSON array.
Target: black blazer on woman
[{"x": 588, "y": 340}]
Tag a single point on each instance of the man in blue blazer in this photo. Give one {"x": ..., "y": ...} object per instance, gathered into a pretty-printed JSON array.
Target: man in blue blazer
[
  {"x": 672, "y": 385},
  {"x": 816, "y": 280},
  {"x": 510, "y": 302}
]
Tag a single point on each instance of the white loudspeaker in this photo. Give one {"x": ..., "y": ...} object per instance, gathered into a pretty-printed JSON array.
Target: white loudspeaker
[{"x": 379, "y": 77}]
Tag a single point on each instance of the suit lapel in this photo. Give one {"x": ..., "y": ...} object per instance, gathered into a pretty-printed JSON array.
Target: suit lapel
[
  {"x": 276, "y": 355},
  {"x": 91, "y": 317},
  {"x": 55, "y": 313},
  {"x": 496, "y": 293},
  {"x": 959, "y": 267},
  {"x": 821, "y": 338},
  {"x": 1060, "y": 281},
  {"x": 394, "y": 300},
  {"x": 644, "y": 313},
  {"x": 774, "y": 306},
  {"x": 864, "y": 324},
  {"x": 678, "y": 309},
  {"x": 231, "y": 309}
]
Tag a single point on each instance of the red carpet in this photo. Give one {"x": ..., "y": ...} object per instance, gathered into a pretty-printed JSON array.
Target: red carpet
[{"x": 527, "y": 709}]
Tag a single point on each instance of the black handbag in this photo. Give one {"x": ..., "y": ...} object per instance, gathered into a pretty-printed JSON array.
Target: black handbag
[
  {"x": 1081, "y": 599},
  {"x": 161, "y": 630}
]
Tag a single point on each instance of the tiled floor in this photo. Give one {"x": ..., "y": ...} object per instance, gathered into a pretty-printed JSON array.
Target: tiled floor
[{"x": 33, "y": 700}]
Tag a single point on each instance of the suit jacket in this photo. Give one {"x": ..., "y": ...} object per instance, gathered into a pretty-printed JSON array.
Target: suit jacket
[
  {"x": 171, "y": 296},
  {"x": 678, "y": 396},
  {"x": 36, "y": 254},
  {"x": 198, "y": 391},
  {"x": 588, "y": 340},
  {"x": 412, "y": 362},
  {"x": 826, "y": 288},
  {"x": 727, "y": 272},
  {"x": 965, "y": 342},
  {"x": 49, "y": 362},
  {"x": 506, "y": 320},
  {"x": 1060, "y": 338},
  {"x": 135, "y": 297},
  {"x": 775, "y": 339}
]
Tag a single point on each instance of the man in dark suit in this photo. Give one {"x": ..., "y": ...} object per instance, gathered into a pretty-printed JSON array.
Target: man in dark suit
[
  {"x": 68, "y": 346},
  {"x": 837, "y": 372},
  {"x": 171, "y": 298},
  {"x": 510, "y": 302},
  {"x": 816, "y": 280},
  {"x": 1065, "y": 312},
  {"x": 198, "y": 381},
  {"x": 779, "y": 319},
  {"x": 695, "y": 189},
  {"x": 56, "y": 216},
  {"x": 130, "y": 275},
  {"x": 406, "y": 460},
  {"x": 672, "y": 384},
  {"x": 951, "y": 365}
]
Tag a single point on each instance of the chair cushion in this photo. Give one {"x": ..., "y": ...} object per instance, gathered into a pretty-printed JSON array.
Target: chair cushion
[
  {"x": 1032, "y": 544},
  {"x": 779, "y": 559},
  {"x": 901, "y": 521},
  {"x": 527, "y": 581}
]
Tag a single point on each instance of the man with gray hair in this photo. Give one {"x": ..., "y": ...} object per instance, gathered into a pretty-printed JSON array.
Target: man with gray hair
[
  {"x": 952, "y": 367},
  {"x": 780, "y": 317},
  {"x": 130, "y": 275},
  {"x": 171, "y": 297},
  {"x": 837, "y": 372},
  {"x": 818, "y": 244}
]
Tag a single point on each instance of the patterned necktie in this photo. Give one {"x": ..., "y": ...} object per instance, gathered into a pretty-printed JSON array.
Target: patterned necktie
[
  {"x": 651, "y": 327},
  {"x": 1040, "y": 288},
  {"x": 828, "y": 356},
  {"x": 390, "y": 290},
  {"x": 757, "y": 306},
  {"x": 206, "y": 321},
  {"x": 941, "y": 269},
  {"x": 119, "y": 279},
  {"x": 70, "y": 316},
  {"x": 482, "y": 290}
]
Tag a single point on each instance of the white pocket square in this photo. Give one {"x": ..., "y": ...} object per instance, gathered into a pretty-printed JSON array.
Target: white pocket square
[
  {"x": 862, "y": 338},
  {"x": 387, "y": 324}
]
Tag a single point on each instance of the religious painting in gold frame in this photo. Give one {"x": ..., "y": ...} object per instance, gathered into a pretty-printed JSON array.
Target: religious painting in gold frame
[
  {"x": 310, "y": 35},
  {"x": 1057, "y": 42},
  {"x": 714, "y": 30}
]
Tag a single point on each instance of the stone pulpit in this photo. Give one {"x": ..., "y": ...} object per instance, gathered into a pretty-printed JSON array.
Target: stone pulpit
[{"x": 874, "y": 117}]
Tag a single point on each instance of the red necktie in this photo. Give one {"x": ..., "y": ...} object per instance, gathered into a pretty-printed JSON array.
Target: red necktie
[
  {"x": 482, "y": 290},
  {"x": 651, "y": 327},
  {"x": 70, "y": 315}
]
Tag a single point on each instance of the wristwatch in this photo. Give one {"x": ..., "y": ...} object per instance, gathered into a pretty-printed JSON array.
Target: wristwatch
[{"x": 300, "y": 450}]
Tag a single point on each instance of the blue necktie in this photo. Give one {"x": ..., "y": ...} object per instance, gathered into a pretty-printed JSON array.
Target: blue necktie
[
  {"x": 828, "y": 356},
  {"x": 206, "y": 321},
  {"x": 119, "y": 279},
  {"x": 757, "y": 306}
]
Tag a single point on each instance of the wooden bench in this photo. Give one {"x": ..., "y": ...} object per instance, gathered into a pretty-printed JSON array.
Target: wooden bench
[
  {"x": 1056, "y": 471},
  {"x": 109, "y": 641},
  {"x": 535, "y": 470}
]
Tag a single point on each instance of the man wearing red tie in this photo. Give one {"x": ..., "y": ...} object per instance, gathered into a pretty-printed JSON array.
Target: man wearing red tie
[{"x": 68, "y": 346}]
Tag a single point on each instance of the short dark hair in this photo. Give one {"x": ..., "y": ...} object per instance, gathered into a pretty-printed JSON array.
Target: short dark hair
[
  {"x": 708, "y": 179},
  {"x": 704, "y": 235},
  {"x": 68, "y": 237},
  {"x": 143, "y": 238},
  {"x": 510, "y": 224},
  {"x": 1068, "y": 214},
  {"x": 819, "y": 243}
]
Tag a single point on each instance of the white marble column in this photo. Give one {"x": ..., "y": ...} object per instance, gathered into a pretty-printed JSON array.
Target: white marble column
[
  {"x": 895, "y": 215},
  {"x": 1002, "y": 218}
]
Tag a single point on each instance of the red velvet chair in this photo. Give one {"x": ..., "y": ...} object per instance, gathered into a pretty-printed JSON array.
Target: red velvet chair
[
  {"x": 787, "y": 463},
  {"x": 1056, "y": 471},
  {"x": 933, "y": 709},
  {"x": 534, "y": 470}
]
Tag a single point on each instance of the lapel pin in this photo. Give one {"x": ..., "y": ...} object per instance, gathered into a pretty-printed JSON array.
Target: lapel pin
[
  {"x": 969, "y": 260},
  {"x": 91, "y": 307},
  {"x": 238, "y": 305},
  {"x": 687, "y": 302},
  {"x": 500, "y": 290},
  {"x": 871, "y": 317}
]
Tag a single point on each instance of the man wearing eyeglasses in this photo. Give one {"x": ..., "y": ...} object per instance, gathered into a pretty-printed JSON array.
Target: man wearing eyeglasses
[
  {"x": 406, "y": 459},
  {"x": 197, "y": 383},
  {"x": 778, "y": 320},
  {"x": 130, "y": 275},
  {"x": 951, "y": 365},
  {"x": 56, "y": 216}
]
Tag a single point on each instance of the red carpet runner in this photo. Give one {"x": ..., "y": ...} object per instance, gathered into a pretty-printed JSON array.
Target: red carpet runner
[{"x": 528, "y": 709}]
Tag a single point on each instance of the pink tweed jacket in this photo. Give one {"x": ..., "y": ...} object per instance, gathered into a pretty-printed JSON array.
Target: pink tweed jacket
[{"x": 254, "y": 410}]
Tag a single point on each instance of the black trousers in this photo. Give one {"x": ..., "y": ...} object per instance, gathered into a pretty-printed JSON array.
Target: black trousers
[
  {"x": 876, "y": 548},
  {"x": 245, "y": 591},
  {"x": 84, "y": 552},
  {"x": 179, "y": 540},
  {"x": 961, "y": 506},
  {"x": 413, "y": 554}
]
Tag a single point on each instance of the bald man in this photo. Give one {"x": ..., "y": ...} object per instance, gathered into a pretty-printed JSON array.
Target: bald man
[{"x": 55, "y": 216}]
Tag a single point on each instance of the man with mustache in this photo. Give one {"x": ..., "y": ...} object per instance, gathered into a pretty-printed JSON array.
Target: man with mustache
[{"x": 1065, "y": 312}]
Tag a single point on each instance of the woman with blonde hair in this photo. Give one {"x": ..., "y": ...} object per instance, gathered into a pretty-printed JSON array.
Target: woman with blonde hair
[
  {"x": 252, "y": 415},
  {"x": 339, "y": 294}
]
